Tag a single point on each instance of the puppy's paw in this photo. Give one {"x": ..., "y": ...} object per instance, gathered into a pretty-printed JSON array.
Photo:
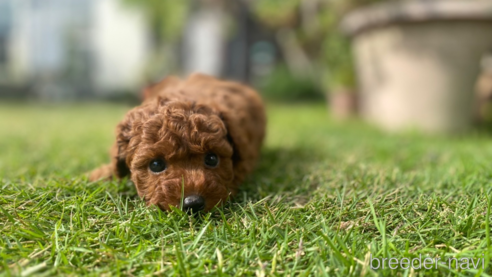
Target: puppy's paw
[{"x": 104, "y": 172}]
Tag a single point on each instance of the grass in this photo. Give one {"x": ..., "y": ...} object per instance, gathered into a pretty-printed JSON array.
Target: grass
[{"x": 325, "y": 198}]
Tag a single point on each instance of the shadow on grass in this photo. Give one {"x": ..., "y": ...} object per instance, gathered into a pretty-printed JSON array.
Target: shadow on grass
[
  {"x": 282, "y": 173},
  {"x": 484, "y": 128}
]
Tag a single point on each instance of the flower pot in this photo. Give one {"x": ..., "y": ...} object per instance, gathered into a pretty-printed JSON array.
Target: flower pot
[{"x": 417, "y": 61}]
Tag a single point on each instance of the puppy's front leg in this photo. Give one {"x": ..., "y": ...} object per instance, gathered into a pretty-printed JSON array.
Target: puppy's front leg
[{"x": 103, "y": 172}]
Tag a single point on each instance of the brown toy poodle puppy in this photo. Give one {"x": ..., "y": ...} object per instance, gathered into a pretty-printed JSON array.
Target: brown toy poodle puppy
[{"x": 197, "y": 137}]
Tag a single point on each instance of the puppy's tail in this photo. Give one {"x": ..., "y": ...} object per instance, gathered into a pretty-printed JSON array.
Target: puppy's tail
[{"x": 104, "y": 172}]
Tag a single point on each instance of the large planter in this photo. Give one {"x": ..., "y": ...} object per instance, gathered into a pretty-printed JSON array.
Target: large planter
[{"x": 417, "y": 61}]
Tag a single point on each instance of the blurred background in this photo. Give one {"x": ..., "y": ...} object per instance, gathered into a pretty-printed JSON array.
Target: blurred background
[
  {"x": 398, "y": 64},
  {"x": 109, "y": 49}
]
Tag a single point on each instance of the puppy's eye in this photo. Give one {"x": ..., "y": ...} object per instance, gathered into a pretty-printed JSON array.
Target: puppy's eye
[
  {"x": 211, "y": 160},
  {"x": 157, "y": 165}
]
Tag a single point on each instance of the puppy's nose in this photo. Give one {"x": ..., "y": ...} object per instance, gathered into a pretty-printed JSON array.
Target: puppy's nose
[{"x": 193, "y": 203}]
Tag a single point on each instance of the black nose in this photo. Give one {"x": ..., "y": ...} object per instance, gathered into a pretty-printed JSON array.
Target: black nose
[{"x": 193, "y": 203}]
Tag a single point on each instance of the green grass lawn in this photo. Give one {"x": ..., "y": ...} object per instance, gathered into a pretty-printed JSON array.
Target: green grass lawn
[{"x": 325, "y": 197}]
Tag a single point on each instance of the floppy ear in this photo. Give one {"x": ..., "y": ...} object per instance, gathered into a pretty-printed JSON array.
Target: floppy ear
[
  {"x": 119, "y": 166},
  {"x": 245, "y": 131},
  {"x": 242, "y": 152},
  {"x": 128, "y": 136},
  {"x": 236, "y": 156},
  {"x": 120, "y": 152}
]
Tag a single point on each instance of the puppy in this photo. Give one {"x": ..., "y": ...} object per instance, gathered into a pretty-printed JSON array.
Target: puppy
[{"x": 197, "y": 138}]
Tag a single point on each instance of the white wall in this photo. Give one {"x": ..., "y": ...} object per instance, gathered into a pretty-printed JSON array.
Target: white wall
[
  {"x": 38, "y": 33},
  {"x": 120, "y": 45},
  {"x": 113, "y": 40},
  {"x": 204, "y": 41}
]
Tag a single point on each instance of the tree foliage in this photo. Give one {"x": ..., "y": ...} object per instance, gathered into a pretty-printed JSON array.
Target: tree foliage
[
  {"x": 166, "y": 17},
  {"x": 315, "y": 25}
]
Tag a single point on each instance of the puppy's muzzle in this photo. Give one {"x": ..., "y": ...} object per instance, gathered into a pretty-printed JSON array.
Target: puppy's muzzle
[{"x": 193, "y": 203}]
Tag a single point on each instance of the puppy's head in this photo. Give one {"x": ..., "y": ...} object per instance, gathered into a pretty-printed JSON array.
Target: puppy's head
[{"x": 174, "y": 149}]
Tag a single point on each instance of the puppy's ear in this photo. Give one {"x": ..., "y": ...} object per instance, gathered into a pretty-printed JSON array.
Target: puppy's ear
[
  {"x": 127, "y": 139},
  {"x": 123, "y": 136},
  {"x": 235, "y": 153},
  {"x": 233, "y": 140}
]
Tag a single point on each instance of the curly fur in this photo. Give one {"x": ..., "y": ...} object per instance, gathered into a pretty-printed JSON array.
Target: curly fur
[{"x": 180, "y": 121}]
